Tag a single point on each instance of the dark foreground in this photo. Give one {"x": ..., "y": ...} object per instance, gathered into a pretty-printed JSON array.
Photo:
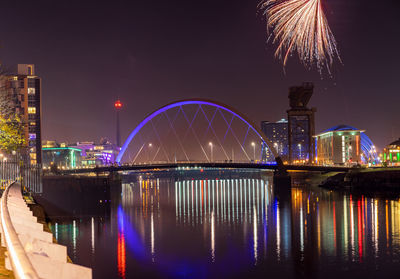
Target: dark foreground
[{"x": 230, "y": 227}]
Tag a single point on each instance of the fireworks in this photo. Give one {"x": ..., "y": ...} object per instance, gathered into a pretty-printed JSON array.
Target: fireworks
[{"x": 301, "y": 26}]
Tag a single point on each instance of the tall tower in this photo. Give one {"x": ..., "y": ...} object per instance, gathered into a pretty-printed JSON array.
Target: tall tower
[
  {"x": 118, "y": 106},
  {"x": 301, "y": 127}
]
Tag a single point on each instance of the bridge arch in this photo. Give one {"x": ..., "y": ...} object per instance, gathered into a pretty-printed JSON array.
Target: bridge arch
[{"x": 206, "y": 102}]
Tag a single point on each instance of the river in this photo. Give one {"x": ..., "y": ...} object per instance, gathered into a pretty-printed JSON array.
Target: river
[{"x": 234, "y": 226}]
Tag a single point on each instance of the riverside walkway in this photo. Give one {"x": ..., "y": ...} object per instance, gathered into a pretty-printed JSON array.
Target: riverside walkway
[{"x": 31, "y": 252}]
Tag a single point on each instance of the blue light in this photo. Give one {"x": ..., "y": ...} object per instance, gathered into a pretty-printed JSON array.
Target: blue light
[{"x": 177, "y": 104}]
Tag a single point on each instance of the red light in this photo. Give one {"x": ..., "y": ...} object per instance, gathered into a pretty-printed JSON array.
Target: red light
[{"x": 118, "y": 104}]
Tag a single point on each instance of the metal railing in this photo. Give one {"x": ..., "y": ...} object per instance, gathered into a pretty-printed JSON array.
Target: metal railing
[{"x": 13, "y": 169}]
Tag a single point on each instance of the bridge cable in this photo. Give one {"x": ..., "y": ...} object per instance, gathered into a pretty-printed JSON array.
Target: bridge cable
[
  {"x": 195, "y": 135},
  {"x": 176, "y": 135},
  {"x": 212, "y": 129},
  {"x": 238, "y": 141}
]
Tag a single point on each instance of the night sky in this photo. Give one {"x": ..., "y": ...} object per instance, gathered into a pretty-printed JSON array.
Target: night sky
[{"x": 149, "y": 53}]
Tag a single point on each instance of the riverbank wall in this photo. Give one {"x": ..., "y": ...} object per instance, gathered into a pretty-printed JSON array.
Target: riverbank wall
[{"x": 376, "y": 180}]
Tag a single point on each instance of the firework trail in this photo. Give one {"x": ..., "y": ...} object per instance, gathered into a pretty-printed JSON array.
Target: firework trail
[{"x": 301, "y": 26}]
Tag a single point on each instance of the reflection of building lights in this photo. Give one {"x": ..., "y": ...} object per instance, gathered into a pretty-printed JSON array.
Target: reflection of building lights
[
  {"x": 212, "y": 237},
  {"x": 152, "y": 235},
  {"x": 255, "y": 234},
  {"x": 278, "y": 232},
  {"x": 92, "y": 236},
  {"x": 121, "y": 250}
]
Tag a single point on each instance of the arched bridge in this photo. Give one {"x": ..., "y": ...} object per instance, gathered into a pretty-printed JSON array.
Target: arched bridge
[{"x": 227, "y": 115}]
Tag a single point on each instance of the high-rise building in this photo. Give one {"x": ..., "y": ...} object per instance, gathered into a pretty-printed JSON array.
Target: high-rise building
[
  {"x": 339, "y": 147},
  {"x": 277, "y": 133},
  {"x": 21, "y": 95},
  {"x": 301, "y": 128}
]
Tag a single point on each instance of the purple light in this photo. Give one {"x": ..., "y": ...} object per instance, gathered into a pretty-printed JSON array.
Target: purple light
[{"x": 177, "y": 104}]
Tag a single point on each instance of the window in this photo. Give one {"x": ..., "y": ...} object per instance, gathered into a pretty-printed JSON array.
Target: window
[
  {"x": 31, "y": 91},
  {"x": 31, "y": 110}
]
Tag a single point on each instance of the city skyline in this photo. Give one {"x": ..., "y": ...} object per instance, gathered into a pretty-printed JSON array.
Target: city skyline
[{"x": 88, "y": 58}]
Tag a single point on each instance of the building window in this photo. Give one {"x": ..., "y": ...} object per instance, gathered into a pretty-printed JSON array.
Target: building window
[
  {"x": 31, "y": 91},
  {"x": 31, "y": 110}
]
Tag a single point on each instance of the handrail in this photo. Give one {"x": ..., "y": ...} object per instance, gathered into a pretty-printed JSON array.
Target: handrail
[{"x": 20, "y": 262}]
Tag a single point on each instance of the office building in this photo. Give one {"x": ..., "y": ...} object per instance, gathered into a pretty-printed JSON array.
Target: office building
[
  {"x": 301, "y": 128},
  {"x": 101, "y": 154},
  {"x": 21, "y": 95},
  {"x": 368, "y": 152},
  {"x": 277, "y": 133},
  {"x": 339, "y": 147}
]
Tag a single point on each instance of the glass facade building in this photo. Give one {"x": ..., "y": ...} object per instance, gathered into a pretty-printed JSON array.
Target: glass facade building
[{"x": 277, "y": 133}]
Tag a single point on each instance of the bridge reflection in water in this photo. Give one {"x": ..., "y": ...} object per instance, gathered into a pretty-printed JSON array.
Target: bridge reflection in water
[{"x": 236, "y": 227}]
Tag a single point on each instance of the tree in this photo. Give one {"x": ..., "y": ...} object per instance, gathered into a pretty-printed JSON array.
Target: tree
[
  {"x": 7, "y": 94},
  {"x": 11, "y": 134}
]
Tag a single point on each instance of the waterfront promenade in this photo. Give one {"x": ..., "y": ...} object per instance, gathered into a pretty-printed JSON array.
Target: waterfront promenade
[{"x": 31, "y": 252}]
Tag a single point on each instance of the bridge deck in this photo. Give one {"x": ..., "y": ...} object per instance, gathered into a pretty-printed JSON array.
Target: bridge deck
[{"x": 203, "y": 165}]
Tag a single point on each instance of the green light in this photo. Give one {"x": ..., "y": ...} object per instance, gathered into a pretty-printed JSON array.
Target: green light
[
  {"x": 62, "y": 148},
  {"x": 384, "y": 157},
  {"x": 398, "y": 156},
  {"x": 391, "y": 157}
]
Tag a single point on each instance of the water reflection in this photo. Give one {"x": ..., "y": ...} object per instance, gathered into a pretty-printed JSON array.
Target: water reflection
[{"x": 237, "y": 227}]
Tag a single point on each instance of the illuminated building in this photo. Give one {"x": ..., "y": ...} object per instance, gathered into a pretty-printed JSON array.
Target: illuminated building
[
  {"x": 93, "y": 154},
  {"x": 277, "y": 133},
  {"x": 301, "y": 128},
  {"x": 21, "y": 95},
  {"x": 391, "y": 154},
  {"x": 62, "y": 157},
  {"x": 339, "y": 147},
  {"x": 369, "y": 153}
]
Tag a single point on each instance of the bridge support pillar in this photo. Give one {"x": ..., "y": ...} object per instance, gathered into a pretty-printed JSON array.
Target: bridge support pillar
[{"x": 282, "y": 185}]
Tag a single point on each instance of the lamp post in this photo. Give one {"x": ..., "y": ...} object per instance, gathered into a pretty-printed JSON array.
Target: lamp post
[
  {"x": 254, "y": 151},
  {"x": 211, "y": 147},
  {"x": 148, "y": 151},
  {"x": 299, "y": 145}
]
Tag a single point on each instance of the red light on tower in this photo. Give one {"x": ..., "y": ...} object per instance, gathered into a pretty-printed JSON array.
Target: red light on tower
[{"x": 118, "y": 104}]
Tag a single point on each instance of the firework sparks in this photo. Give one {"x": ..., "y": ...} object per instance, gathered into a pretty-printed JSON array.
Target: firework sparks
[{"x": 301, "y": 26}]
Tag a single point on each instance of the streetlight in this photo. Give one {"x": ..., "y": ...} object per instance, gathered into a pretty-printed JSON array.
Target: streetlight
[
  {"x": 148, "y": 152},
  {"x": 211, "y": 147},
  {"x": 299, "y": 145},
  {"x": 254, "y": 150}
]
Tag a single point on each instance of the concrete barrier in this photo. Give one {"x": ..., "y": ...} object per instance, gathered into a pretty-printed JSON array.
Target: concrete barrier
[{"x": 31, "y": 251}]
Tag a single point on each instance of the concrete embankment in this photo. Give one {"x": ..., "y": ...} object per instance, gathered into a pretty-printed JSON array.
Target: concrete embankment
[
  {"x": 31, "y": 251},
  {"x": 370, "y": 179}
]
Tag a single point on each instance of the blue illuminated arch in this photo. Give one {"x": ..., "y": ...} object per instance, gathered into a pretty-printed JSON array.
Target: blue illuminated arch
[{"x": 199, "y": 102}]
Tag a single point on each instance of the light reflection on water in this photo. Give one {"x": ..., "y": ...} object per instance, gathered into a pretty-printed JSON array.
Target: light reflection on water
[{"x": 236, "y": 228}]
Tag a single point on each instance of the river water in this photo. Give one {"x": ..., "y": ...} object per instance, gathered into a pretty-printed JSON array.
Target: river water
[{"x": 235, "y": 226}]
